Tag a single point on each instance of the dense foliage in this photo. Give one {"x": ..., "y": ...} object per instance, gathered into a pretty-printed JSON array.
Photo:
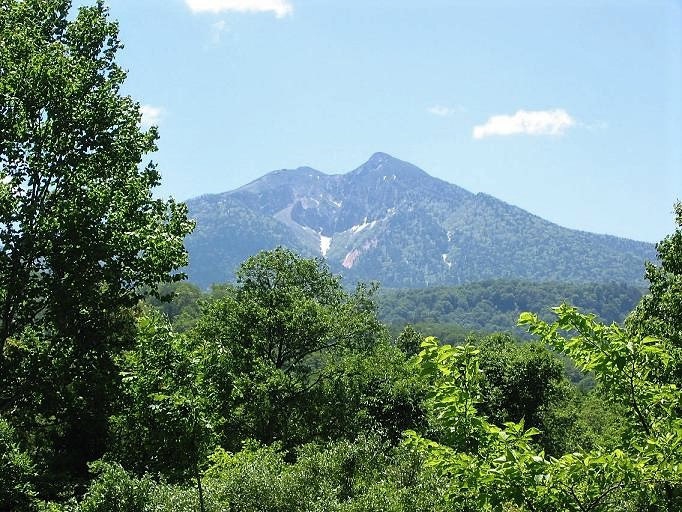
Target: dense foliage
[
  {"x": 283, "y": 391},
  {"x": 492, "y": 467},
  {"x": 448, "y": 313},
  {"x": 81, "y": 236},
  {"x": 494, "y": 306},
  {"x": 660, "y": 311}
]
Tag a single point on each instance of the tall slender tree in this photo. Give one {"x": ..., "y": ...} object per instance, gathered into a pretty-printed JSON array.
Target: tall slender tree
[{"x": 81, "y": 235}]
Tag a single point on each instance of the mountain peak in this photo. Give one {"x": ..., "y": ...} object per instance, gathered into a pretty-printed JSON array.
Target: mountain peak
[
  {"x": 387, "y": 164},
  {"x": 390, "y": 221},
  {"x": 380, "y": 157}
]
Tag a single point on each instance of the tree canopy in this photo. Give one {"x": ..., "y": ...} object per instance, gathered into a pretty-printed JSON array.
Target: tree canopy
[
  {"x": 273, "y": 337},
  {"x": 659, "y": 313},
  {"x": 81, "y": 236}
]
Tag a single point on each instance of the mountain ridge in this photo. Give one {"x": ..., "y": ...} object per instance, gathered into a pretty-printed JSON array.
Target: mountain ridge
[{"x": 389, "y": 220}]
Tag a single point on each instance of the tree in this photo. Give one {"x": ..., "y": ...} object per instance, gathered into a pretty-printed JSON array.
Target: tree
[
  {"x": 659, "y": 313},
  {"x": 499, "y": 468},
  {"x": 409, "y": 340},
  {"x": 81, "y": 237},
  {"x": 521, "y": 381},
  {"x": 180, "y": 303},
  {"x": 368, "y": 391},
  {"x": 271, "y": 340},
  {"x": 17, "y": 471},
  {"x": 165, "y": 427}
]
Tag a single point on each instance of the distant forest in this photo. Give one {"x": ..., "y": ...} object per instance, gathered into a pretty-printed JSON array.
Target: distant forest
[{"x": 451, "y": 312}]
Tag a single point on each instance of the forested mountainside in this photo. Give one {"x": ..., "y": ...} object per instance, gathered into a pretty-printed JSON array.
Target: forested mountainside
[
  {"x": 494, "y": 306},
  {"x": 390, "y": 221}
]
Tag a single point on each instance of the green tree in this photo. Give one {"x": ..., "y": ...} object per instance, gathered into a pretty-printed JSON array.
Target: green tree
[
  {"x": 659, "y": 313},
  {"x": 271, "y": 339},
  {"x": 114, "y": 490},
  {"x": 627, "y": 368},
  {"x": 81, "y": 236},
  {"x": 165, "y": 426},
  {"x": 499, "y": 468},
  {"x": 409, "y": 340},
  {"x": 368, "y": 391},
  {"x": 180, "y": 302},
  {"x": 16, "y": 489},
  {"x": 521, "y": 381}
]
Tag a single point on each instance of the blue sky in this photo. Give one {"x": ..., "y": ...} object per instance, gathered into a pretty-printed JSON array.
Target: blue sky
[{"x": 571, "y": 110}]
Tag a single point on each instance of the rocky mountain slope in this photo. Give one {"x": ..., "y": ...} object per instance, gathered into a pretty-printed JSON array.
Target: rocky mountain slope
[{"x": 390, "y": 221}]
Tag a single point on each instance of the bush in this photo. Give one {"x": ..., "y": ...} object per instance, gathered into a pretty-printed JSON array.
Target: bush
[
  {"x": 365, "y": 475},
  {"x": 115, "y": 490},
  {"x": 16, "y": 472}
]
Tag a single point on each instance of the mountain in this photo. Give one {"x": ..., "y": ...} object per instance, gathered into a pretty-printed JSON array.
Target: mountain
[{"x": 390, "y": 221}]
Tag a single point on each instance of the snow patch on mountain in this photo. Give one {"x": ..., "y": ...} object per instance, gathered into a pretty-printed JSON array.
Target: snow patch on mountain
[
  {"x": 325, "y": 242},
  {"x": 445, "y": 260},
  {"x": 359, "y": 227}
]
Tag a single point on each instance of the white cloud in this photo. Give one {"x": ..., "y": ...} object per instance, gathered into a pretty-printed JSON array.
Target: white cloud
[
  {"x": 151, "y": 116},
  {"x": 445, "y": 111},
  {"x": 533, "y": 122},
  {"x": 279, "y": 7},
  {"x": 441, "y": 111}
]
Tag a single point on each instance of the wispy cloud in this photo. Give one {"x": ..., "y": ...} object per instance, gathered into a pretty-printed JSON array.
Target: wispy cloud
[
  {"x": 151, "y": 116},
  {"x": 595, "y": 126},
  {"x": 529, "y": 122},
  {"x": 443, "y": 111},
  {"x": 217, "y": 30},
  {"x": 280, "y": 8}
]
